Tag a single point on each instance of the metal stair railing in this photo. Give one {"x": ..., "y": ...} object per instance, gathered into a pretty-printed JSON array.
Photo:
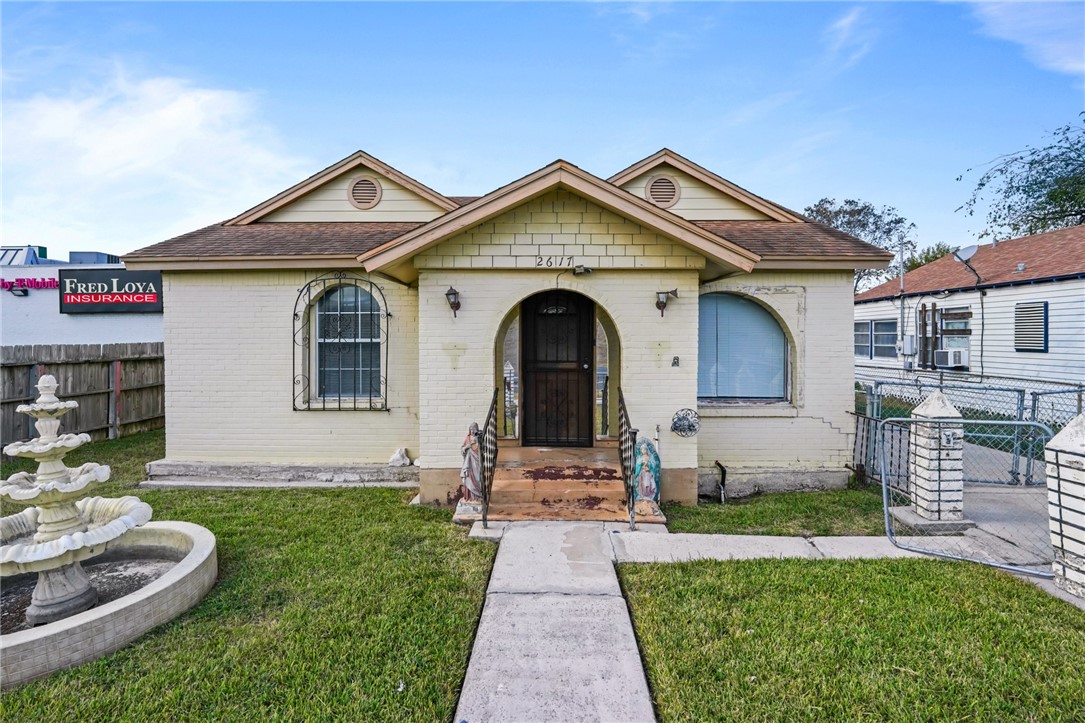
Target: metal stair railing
[
  {"x": 487, "y": 445},
  {"x": 627, "y": 442}
]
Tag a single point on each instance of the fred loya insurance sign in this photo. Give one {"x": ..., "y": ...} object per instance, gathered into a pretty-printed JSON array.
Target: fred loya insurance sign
[{"x": 110, "y": 291}]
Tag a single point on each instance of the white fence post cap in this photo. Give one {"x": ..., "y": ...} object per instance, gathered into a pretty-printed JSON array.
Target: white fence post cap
[
  {"x": 1071, "y": 438},
  {"x": 934, "y": 406}
]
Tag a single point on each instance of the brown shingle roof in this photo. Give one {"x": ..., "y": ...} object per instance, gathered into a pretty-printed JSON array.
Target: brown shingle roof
[
  {"x": 278, "y": 239},
  {"x": 1045, "y": 256},
  {"x": 772, "y": 238},
  {"x": 327, "y": 238}
]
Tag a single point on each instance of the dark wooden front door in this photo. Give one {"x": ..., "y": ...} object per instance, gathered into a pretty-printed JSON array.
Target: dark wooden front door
[{"x": 558, "y": 402}]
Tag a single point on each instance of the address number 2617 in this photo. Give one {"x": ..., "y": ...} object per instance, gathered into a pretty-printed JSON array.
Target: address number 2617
[{"x": 550, "y": 262}]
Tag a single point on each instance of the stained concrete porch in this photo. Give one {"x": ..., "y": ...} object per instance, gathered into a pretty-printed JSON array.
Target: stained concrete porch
[{"x": 562, "y": 483}]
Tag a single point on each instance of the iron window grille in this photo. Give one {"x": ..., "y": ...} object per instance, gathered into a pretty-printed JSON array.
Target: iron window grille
[{"x": 340, "y": 359}]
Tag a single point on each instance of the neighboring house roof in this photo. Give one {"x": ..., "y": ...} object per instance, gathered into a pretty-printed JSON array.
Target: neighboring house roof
[
  {"x": 1029, "y": 259},
  {"x": 791, "y": 241}
]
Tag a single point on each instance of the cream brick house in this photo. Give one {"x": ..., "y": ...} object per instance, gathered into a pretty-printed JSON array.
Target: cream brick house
[{"x": 319, "y": 328}]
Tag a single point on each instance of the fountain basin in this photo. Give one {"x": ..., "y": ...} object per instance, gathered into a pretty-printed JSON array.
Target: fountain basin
[{"x": 86, "y": 636}]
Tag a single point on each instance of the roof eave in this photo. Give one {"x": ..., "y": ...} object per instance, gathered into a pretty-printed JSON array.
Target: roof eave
[
  {"x": 216, "y": 263},
  {"x": 825, "y": 262}
]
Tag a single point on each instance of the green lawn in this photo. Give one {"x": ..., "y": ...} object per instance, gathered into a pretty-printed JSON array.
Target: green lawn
[
  {"x": 335, "y": 604},
  {"x": 808, "y": 514},
  {"x": 893, "y": 640}
]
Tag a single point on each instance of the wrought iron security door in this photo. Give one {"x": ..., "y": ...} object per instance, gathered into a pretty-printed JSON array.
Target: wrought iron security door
[{"x": 558, "y": 359}]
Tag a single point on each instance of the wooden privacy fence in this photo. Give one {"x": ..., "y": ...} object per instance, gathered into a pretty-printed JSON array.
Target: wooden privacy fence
[{"x": 120, "y": 387}]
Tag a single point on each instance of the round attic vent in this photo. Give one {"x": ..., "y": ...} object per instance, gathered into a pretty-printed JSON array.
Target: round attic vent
[
  {"x": 365, "y": 192},
  {"x": 663, "y": 191}
]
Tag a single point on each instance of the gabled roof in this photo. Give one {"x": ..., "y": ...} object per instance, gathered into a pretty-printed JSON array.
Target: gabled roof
[
  {"x": 560, "y": 174},
  {"x": 247, "y": 241},
  {"x": 348, "y": 164},
  {"x": 667, "y": 157},
  {"x": 1029, "y": 259}
]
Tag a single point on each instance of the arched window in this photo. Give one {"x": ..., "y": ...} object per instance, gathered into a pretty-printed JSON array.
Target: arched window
[
  {"x": 341, "y": 356},
  {"x": 742, "y": 351}
]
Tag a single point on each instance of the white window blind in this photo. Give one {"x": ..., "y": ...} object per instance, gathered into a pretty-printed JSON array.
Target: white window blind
[{"x": 742, "y": 351}]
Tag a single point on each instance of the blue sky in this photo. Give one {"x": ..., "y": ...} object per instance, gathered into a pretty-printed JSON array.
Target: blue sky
[{"x": 125, "y": 124}]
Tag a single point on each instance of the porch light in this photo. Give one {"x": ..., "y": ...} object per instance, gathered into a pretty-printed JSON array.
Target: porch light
[
  {"x": 453, "y": 297},
  {"x": 661, "y": 299},
  {"x": 19, "y": 291}
]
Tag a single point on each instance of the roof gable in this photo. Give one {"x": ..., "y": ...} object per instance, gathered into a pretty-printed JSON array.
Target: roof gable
[
  {"x": 634, "y": 177},
  {"x": 318, "y": 190},
  {"x": 560, "y": 175},
  {"x": 566, "y": 228},
  {"x": 1050, "y": 255}
]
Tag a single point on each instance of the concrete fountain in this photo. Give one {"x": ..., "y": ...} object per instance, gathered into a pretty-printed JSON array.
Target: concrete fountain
[{"x": 61, "y": 529}]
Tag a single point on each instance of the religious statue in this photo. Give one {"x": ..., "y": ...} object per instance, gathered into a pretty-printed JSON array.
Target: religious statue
[
  {"x": 646, "y": 471},
  {"x": 471, "y": 469}
]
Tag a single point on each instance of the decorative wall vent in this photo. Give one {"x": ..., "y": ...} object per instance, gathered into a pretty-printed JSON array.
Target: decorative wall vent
[
  {"x": 663, "y": 191},
  {"x": 365, "y": 192}
]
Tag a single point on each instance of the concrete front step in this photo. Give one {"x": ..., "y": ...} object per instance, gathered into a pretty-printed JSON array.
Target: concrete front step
[
  {"x": 170, "y": 473},
  {"x": 575, "y": 510},
  {"x": 555, "y": 490}
]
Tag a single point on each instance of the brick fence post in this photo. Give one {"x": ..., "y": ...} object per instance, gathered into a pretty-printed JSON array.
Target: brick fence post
[
  {"x": 935, "y": 461},
  {"x": 1065, "y": 457}
]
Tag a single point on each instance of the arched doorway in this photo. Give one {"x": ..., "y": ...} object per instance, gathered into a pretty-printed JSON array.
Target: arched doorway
[{"x": 558, "y": 369}]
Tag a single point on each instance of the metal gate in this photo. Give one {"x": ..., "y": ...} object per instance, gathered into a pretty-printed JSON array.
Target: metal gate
[
  {"x": 967, "y": 489},
  {"x": 558, "y": 347}
]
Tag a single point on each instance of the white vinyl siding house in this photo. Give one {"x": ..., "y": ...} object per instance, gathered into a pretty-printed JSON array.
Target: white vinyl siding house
[{"x": 995, "y": 330}]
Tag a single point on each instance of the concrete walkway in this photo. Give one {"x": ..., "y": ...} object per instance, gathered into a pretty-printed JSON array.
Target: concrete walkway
[{"x": 555, "y": 642}]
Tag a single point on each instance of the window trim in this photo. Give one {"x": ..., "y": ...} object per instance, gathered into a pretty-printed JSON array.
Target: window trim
[
  {"x": 306, "y": 366},
  {"x": 786, "y": 399}
]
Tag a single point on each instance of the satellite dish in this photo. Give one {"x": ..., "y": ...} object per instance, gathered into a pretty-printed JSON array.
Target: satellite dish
[{"x": 966, "y": 253}]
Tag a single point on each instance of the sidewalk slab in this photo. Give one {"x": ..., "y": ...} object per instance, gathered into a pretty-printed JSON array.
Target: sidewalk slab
[
  {"x": 860, "y": 548},
  {"x": 553, "y": 657},
  {"x": 555, "y": 642},
  {"x": 680, "y": 547},
  {"x": 574, "y": 558}
]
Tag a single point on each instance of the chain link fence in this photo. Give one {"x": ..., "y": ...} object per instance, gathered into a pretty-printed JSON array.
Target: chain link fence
[
  {"x": 896, "y": 392},
  {"x": 955, "y": 488}
]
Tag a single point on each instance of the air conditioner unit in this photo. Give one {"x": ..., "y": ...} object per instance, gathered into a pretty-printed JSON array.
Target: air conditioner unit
[{"x": 951, "y": 357}]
